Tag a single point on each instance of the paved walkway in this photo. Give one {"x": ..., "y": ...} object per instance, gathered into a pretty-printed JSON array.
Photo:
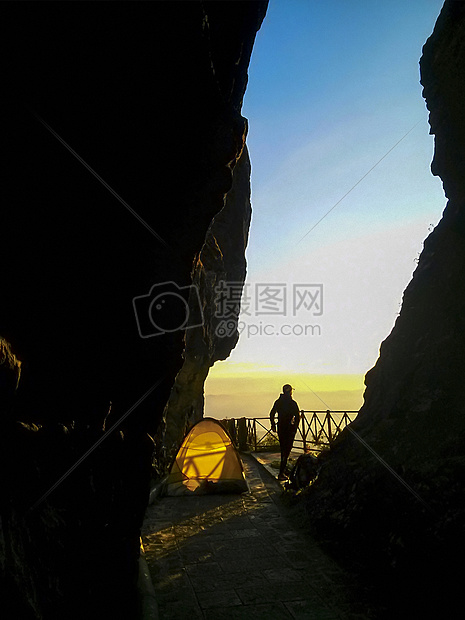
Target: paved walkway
[
  {"x": 267, "y": 458},
  {"x": 240, "y": 557}
]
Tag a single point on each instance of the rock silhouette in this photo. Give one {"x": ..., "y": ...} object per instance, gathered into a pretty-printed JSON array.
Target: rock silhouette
[{"x": 123, "y": 132}]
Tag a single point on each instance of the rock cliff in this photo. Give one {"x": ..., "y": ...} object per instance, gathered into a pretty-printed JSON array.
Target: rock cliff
[
  {"x": 218, "y": 274},
  {"x": 123, "y": 139},
  {"x": 391, "y": 489}
]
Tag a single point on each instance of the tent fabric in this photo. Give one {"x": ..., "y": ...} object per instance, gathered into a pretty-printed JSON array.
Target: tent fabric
[{"x": 206, "y": 462}]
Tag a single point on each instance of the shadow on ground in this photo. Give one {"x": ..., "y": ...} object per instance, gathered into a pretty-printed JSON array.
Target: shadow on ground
[{"x": 241, "y": 556}]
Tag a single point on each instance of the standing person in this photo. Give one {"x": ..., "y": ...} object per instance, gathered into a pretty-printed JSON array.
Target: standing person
[{"x": 288, "y": 422}]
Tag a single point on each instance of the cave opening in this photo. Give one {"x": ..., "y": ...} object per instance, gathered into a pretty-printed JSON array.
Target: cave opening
[{"x": 342, "y": 192}]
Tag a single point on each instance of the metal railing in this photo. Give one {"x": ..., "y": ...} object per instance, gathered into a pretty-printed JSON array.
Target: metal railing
[
  {"x": 317, "y": 430},
  {"x": 320, "y": 428},
  {"x": 252, "y": 440}
]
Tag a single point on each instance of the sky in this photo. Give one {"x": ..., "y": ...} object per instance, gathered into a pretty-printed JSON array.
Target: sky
[{"x": 342, "y": 199}]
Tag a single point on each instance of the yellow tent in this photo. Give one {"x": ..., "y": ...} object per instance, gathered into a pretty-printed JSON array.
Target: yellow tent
[{"x": 206, "y": 462}]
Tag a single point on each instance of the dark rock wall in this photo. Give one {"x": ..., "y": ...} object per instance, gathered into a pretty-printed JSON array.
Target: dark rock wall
[
  {"x": 219, "y": 272},
  {"x": 413, "y": 414},
  {"x": 147, "y": 96}
]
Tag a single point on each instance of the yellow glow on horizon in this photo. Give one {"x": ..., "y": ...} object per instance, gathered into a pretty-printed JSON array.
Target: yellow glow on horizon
[
  {"x": 249, "y": 390},
  {"x": 245, "y": 377}
]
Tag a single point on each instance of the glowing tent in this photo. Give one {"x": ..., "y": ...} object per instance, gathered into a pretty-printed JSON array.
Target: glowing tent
[{"x": 206, "y": 462}]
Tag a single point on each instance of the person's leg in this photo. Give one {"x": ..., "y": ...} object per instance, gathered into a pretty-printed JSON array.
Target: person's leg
[{"x": 286, "y": 439}]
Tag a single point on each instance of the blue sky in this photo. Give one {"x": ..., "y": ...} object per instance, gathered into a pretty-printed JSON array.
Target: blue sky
[{"x": 333, "y": 86}]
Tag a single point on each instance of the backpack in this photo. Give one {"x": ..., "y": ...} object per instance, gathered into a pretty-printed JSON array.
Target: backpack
[{"x": 305, "y": 470}]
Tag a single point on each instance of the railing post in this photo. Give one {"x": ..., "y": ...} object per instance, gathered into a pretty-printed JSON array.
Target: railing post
[
  {"x": 304, "y": 438},
  {"x": 255, "y": 434},
  {"x": 232, "y": 429},
  {"x": 242, "y": 433},
  {"x": 328, "y": 417}
]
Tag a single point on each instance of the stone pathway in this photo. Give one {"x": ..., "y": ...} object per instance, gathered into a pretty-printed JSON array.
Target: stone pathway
[{"x": 239, "y": 557}]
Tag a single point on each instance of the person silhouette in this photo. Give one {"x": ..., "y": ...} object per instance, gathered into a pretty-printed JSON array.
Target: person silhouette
[{"x": 288, "y": 422}]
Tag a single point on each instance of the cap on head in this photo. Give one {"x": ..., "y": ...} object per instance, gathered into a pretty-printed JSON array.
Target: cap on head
[{"x": 287, "y": 388}]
